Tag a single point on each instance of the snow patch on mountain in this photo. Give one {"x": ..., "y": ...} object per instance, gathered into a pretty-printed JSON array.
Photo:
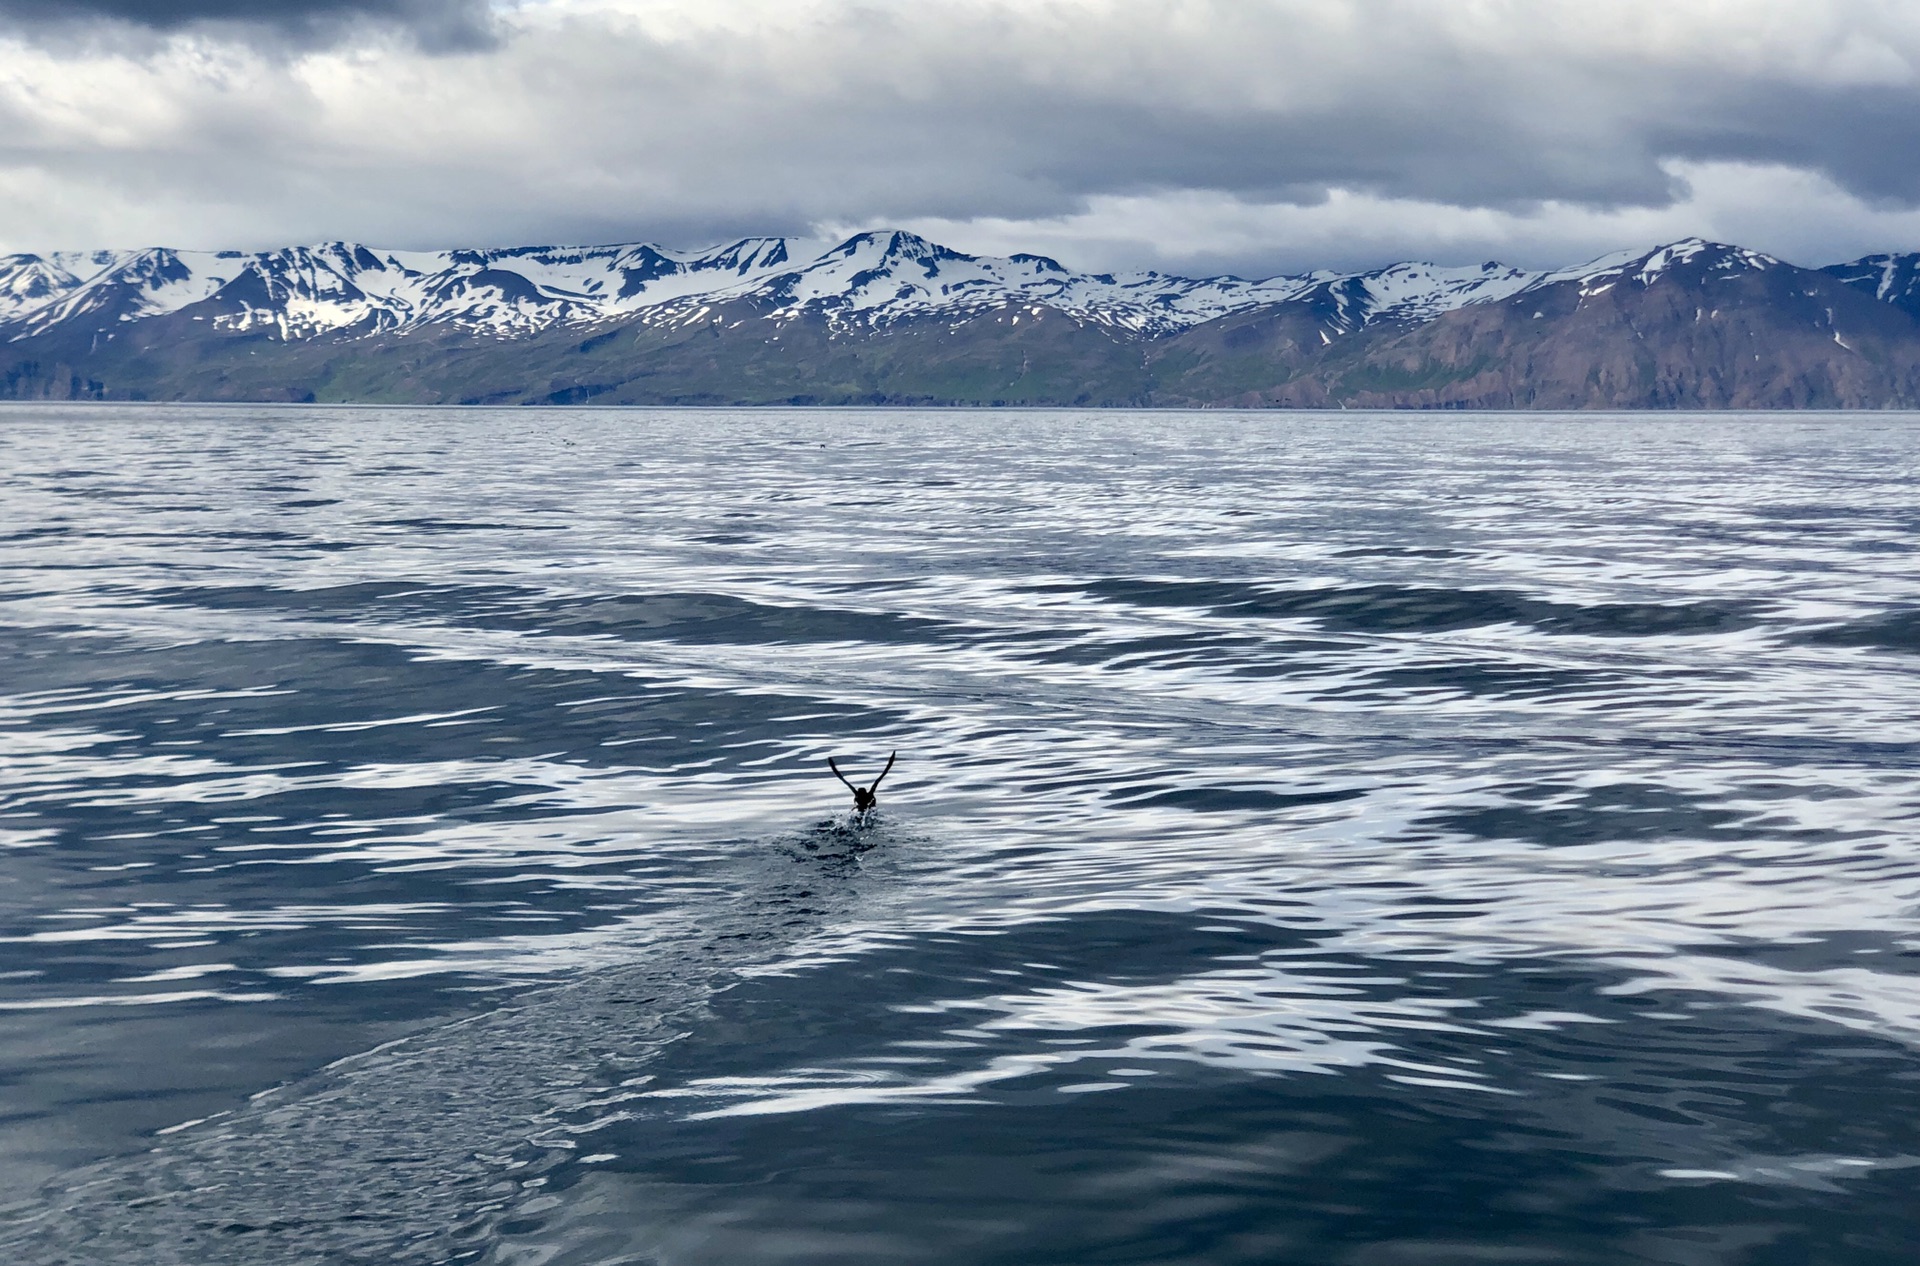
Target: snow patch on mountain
[
  {"x": 305, "y": 291},
  {"x": 1892, "y": 279},
  {"x": 871, "y": 280},
  {"x": 1598, "y": 276},
  {"x": 875, "y": 279}
]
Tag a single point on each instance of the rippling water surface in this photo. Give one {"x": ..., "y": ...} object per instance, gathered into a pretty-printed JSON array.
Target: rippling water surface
[{"x": 1315, "y": 839}]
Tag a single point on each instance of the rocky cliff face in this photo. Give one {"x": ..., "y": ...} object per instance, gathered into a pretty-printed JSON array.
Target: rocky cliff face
[{"x": 890, "y": 317}]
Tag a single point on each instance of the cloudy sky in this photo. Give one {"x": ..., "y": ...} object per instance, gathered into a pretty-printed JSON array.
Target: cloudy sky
[{"x": 1254, "y": 136}]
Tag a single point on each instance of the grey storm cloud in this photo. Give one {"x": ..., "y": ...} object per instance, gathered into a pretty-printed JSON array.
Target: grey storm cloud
[
  {"x": 437, "y": 23},
  {"x": 1502, "y": 127}
]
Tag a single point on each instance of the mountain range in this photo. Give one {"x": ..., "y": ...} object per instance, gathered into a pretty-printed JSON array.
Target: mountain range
[{"x": 891, "y": 318}]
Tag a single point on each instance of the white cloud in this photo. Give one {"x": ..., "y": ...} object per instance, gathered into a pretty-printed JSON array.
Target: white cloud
[{"x": 1242, "y": 134}]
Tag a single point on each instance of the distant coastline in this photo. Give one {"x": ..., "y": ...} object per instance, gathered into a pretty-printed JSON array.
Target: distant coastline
[{"x": 889, "y": 319}]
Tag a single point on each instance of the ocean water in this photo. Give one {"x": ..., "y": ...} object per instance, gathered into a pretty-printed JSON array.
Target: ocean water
[{"x": 1315, "y": 839}]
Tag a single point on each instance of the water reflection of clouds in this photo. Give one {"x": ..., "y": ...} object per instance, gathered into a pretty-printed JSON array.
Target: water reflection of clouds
[
  {"x": 1245, "y": 1020},
  {"x": 1430, "y": 700}
]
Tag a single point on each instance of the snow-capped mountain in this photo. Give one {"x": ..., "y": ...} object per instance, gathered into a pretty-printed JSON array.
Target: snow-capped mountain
[
  {"x": 1643, "y": 268},
  {"x": 304, "y": 291},
  {"x": 871, "y": 279},
  {"x": 889, "y": 317},
  {"x": 1893, "y": 279},
  {"x": 878, "y": 278}
]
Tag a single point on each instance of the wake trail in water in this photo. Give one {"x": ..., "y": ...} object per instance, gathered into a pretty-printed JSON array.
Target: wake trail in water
[{"x": 418, "y": 1150}]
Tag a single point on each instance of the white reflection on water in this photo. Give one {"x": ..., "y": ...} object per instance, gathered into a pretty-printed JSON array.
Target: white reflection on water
[{"x": 369, "y": 714}]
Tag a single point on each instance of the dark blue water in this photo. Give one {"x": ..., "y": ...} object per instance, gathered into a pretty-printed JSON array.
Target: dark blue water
[{"x": 1315, "y": 839}]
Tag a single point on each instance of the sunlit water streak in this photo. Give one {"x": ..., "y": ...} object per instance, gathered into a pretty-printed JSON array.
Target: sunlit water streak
[{"x": 1316, "y": 838}]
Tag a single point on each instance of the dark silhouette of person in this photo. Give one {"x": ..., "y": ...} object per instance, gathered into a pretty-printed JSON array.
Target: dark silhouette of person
[{"x": 864, "y": 798}]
